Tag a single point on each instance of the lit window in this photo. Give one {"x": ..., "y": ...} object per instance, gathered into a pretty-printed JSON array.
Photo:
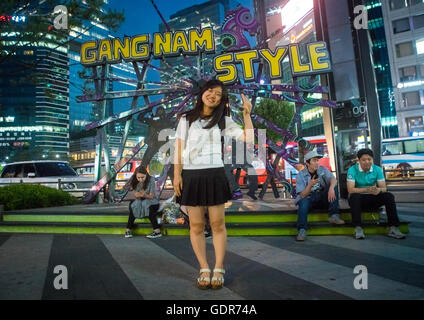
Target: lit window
[{"x": 420, "y": 46}]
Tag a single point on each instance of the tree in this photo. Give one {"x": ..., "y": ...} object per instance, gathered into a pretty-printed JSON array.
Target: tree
[{"x": 278, "y": 112}]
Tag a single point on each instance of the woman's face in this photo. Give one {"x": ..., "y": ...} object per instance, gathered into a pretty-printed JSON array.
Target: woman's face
[
  {"x": 141, "y": 177},
  {"x": 211, "y": 98}
]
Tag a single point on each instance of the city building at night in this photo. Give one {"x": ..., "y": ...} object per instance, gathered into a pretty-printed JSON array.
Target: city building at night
[
  {"x": 208, "y": 14},
  {"x": 404, "y": 27},
  {"x": 298, "y": 20},
  {"x": 34, "y": 95},
  {"x": 382, "y": 69}
]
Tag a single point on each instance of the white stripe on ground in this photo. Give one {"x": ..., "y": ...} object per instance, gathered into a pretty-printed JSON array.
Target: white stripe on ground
[
  {"x": 24, "y": 261},
  {"x": 145, "y": 262},
  {"x": 320, "y": 272},
  {"x": 419, "y": 232},
  {"x": 411, "y": 218},
  {"x": 373, "y": 246}
]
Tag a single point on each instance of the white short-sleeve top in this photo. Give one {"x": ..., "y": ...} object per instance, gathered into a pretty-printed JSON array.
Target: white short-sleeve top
[{"x": 203, "y": 146}]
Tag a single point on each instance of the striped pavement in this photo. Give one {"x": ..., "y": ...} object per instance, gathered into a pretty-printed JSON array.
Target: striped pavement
[{"x": 258, "y": 268}]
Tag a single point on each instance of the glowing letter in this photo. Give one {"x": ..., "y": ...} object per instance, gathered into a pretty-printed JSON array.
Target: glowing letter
[
  {"x": 140, "y": 51},
  {"x": 230, "y": 75},
  {"x": 105, "y": 50},
  {"x": 274, "y": 60},
  {"x": 319, "y": 56},
  {"x": 88, "y": 55},
  {"x": 180, "y": 41},
  {"x": 203, "y": 41},
  {"x": 247, "y": 59},
  {"x": 162, "y": 46},
  {"x": 296, "y": 63}
]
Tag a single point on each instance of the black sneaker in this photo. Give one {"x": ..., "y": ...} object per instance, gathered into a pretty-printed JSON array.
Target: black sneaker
[
  {"x": 154, "y": 235},
  {"x": 252, "y": 195},
  {"x": 128, "y": 234}
]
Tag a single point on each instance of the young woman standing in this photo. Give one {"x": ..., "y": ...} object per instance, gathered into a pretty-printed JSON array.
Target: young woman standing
[{"x": 199, "y": 176}]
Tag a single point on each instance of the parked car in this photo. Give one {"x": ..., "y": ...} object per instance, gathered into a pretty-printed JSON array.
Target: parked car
[{"x": 54, "y": 174}]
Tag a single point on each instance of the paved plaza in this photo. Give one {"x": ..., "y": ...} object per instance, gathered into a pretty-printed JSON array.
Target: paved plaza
[{"x": 271, "y": 268}]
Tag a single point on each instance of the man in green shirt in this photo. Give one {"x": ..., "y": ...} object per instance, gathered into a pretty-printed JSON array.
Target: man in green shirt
[{"x": 367, "y": 190}]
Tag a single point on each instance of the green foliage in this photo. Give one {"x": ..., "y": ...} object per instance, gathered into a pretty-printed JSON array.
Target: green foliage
[
  {"x": 278, "y": 112},
  {"x": 29, "y": 196},
  {"x": 155, "y": 167}
]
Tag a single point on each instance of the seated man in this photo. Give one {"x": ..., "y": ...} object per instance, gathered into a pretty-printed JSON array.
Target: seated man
[
  {"x": 315, "y": 188},
  {"x": 367, "y": 191}
]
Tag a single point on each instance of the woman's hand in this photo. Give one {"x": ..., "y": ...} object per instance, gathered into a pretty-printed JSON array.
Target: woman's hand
[
  {"x": 139, "y": 194},
  {"x": 178, "y": 184},
  {"x": 247, "y": 106}
]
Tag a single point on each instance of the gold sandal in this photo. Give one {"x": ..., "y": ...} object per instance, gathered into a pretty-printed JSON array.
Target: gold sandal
[
  {"x": 220, "y": 279},
  {"x": 204, "y": 279}
]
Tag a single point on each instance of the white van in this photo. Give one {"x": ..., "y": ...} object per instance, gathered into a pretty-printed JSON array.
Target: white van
[{"x": 54, "y": 174}]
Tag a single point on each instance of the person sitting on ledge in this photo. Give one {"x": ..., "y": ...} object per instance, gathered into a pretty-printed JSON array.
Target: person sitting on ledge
[
  {"x": 315, "y": 188},
  {"x": 367, "y": 191}
]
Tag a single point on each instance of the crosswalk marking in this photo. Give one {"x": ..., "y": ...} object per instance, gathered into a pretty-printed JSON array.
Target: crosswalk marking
[
  {"x": 419, "y": 232},
  {"x": 328, "y": 275},
  {"x": 23, "y": 264},
  {"x": 372, "y": 246},
  {"x": 146, "y": 265},
  {"x": 411, "y": 218}
]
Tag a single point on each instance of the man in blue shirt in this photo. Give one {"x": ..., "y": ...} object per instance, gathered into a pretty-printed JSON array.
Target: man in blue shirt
[
  {"x": 315, "y": 188},
  {"x": 367, "y": 191}
]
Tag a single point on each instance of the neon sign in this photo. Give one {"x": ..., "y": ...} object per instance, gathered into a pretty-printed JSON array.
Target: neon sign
[
  {"x": 193, "y": 42},
  {"x": 12, "y": 18}
]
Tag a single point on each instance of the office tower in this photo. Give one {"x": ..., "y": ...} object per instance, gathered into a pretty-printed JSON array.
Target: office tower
[
  {"x": 208, "y": 14},
  {"x": 298, "y": 20},
  {"x": 404, "y": 28},
  {"x": 34, "y": 94}
]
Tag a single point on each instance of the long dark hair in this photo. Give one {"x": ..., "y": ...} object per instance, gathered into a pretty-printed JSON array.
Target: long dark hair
[
  {"x": 220, "y": 111},
  {"x": 133, "y": 180}
]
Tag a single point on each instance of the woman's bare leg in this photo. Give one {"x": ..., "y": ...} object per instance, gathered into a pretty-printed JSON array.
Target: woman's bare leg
[
  {"x": 197, "y": 236},
  {"x": 219, "y": 234}
]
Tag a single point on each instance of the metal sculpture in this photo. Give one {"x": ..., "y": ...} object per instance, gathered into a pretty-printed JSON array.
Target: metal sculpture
[
  {"x": 235, "y": 23},
  {"x": 183, "y": 85}
]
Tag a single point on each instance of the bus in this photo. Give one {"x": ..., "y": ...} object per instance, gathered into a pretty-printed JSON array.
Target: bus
[{"x": 403, "y": 157}]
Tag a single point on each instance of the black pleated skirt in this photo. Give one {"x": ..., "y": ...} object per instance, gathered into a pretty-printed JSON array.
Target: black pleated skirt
[{"x": 204, "y": 187}]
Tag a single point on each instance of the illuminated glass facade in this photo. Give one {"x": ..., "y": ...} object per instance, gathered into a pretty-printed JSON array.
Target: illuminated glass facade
[
  {"x": 208, "y": 14},
  {"x": 34, "y": 97},
  {"x": 298, "y": 19},
  {"x": 382, "y": 69}
]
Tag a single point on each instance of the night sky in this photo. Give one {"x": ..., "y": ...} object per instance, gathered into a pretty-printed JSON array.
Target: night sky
[{"x": 141, "y": 17}]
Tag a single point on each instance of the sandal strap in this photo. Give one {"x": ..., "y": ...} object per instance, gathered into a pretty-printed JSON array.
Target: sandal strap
[
  {"x": 219, "y": 270},
  {"x": 220, "y": 279},
  {"x": 202, "y": 279},
  {"x": 205, "y": 270}
]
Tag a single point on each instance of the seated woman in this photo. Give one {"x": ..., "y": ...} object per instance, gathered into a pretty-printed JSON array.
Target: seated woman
[{"x": 146, "y": 203}]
